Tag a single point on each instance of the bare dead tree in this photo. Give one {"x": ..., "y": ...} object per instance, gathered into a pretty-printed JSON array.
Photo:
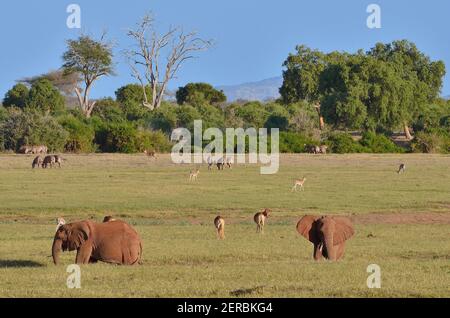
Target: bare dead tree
[{"x": 145, "y": 59}]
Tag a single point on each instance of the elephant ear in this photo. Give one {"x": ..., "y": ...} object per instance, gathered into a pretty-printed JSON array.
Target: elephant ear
[
  {"x": 344, "y": 230},
  {"x": 306, "y": 228},
  {"x": 78, "y": 235}
]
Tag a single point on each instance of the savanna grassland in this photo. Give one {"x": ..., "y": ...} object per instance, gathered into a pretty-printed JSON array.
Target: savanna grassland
[{"x": 402, "y": 224}]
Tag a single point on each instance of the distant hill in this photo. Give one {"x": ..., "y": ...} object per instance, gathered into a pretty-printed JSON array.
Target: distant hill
[{"x": 260, "y": 91}]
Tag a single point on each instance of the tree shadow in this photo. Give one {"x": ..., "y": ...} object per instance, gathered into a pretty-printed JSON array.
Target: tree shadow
[{"x": 19, "y": 264}]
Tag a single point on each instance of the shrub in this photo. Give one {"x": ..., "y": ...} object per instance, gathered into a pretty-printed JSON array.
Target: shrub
[
  {"x": 116, "y": 137},
  {"x": 436, "y": 141},
  {"x": 294, "y": 142},
  {"x": 81, "y": 135},
  {"x": 164, "y": 119},
  {"x": 130, "y": 98},
  {"x": 153, "y": 140},
  {"x": 344, "y": 143},
  {"x": 16, "y": 96},
  {"x": 44, "y": 97},
  {"x": 379, "y": 143},
  {"x": 108, "y": 109},
  {"x": 31, "y": 128},
  {"x": 277, "y": 121}
]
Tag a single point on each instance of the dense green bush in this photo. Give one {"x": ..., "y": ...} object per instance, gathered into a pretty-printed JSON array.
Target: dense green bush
[
  {"x": 130, "y": 99},
  {"x": 44, "y": 97},
  {"x": 117, "y": 137},
  {"x": 199, "y": 93},
  {"x": 31, "y": 128},
  {"x": 164, "y": 119},
  {"x": 81, "y": 135},
  {"x": 153, "y": 140},
  {"x": 108, "y": 109},
  {"x": 294, "y": 142},
  {"x": 344, "y": 143},
  {"x": 16, "y": 96},
  {"x": 379, "y": 143}
]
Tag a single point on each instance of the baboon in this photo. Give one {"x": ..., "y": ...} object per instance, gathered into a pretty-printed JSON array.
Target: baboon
[
  {"x": 150, "y": 154},
  {"x": 260, "y": 220},
  {"x": 37, "y": 162},
  {"x": 324, "y": 149},
  {"x": 194, "y": 175},
  {"x": 49, "y": 161},
  {"x": 60, "y": 222},
  {"x": 108, "y": 219},
  {"x": 219, "y": 223},
  {"x": 299, "y": 183},
  {"x": 402, "y": 168}
]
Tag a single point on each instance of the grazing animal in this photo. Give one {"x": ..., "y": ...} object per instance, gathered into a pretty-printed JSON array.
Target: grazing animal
[
  {"x": 25, "y": 150},
  {"x": 219, "y": 223},
  {"x": 313, "y": 149},
  {"x": 299, "y": 183},
  {"x": 150, "y": 154},
  {"x": 49, "y": 161},
  {"x": 402, "y": 168},
  {"x": 260, "y": 220},
  {"x": 229, "y": 163},
  {"x": 220, "y": 164},
  {"x": 39, "y": 150},
  {"x": 210, "y": 163},
  {"x": 37, "y": 162},
  {"x": 323, "y": 149},
  {"x": 194, "y": 175},
  {"x": 328, "y": 234},
  {"x": 108, "y": 218},
  {"x": 60, "y": 222},
  {"x": 112, "y": 242},
  {"x": 59, "y": 160}
]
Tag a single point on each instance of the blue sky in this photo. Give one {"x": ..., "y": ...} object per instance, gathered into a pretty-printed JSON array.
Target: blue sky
[{"x": 253, "y": 37}]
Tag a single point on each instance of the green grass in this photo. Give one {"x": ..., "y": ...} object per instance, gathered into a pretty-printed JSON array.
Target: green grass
[{"x": 182, "y": 257}]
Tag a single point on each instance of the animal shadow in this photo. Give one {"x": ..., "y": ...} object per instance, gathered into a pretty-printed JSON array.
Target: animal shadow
[
  {"x": 246, "y": 292},
  {"x": 19, "y": 264}
]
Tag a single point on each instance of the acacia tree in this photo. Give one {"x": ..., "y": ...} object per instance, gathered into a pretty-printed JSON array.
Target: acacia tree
[
  {"x": 301, "y": 78},
  {"x": 145, "y": 60},
  {"x": 64, "y": 82},
  {"x": 92, "y": 60}
]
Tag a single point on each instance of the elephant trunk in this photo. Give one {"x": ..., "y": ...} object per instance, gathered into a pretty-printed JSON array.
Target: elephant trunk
[
  {"x": 56, "y": 250},
  {"x": 329, "y": 244}
]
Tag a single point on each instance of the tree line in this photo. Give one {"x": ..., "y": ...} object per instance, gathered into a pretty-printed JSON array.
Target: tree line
[{"x": 324, "y": 97}]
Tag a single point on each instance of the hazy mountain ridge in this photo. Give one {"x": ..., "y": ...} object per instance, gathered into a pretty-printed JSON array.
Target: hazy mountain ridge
[{"x": 260, "y": 90}]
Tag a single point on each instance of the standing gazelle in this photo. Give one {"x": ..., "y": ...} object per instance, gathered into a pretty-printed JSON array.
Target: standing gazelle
[
  {"x": 260, "y": 220},
  {"x": 219, "y": 223},
  {"x": 299, "y": 183},
  {"x": 194, "y": 175}
]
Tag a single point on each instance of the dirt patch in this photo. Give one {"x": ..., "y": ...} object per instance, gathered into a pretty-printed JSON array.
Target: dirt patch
[{"x": 403, "y": 218}]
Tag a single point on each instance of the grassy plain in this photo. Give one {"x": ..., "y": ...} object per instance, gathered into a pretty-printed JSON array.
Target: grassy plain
[{"x": 402, "y": 224}]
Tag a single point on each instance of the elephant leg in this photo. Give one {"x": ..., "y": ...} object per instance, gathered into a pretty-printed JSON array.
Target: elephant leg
[
  {"x": 340, "y": 250},
  {"x": 84, "y": 254},
  {"x": 318, "y": 248}
]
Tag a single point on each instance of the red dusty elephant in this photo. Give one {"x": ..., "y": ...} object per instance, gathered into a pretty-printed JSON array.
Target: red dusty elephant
[
  {"x": 327, "y": 233},
  {"x": 113, "y": 242}
]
